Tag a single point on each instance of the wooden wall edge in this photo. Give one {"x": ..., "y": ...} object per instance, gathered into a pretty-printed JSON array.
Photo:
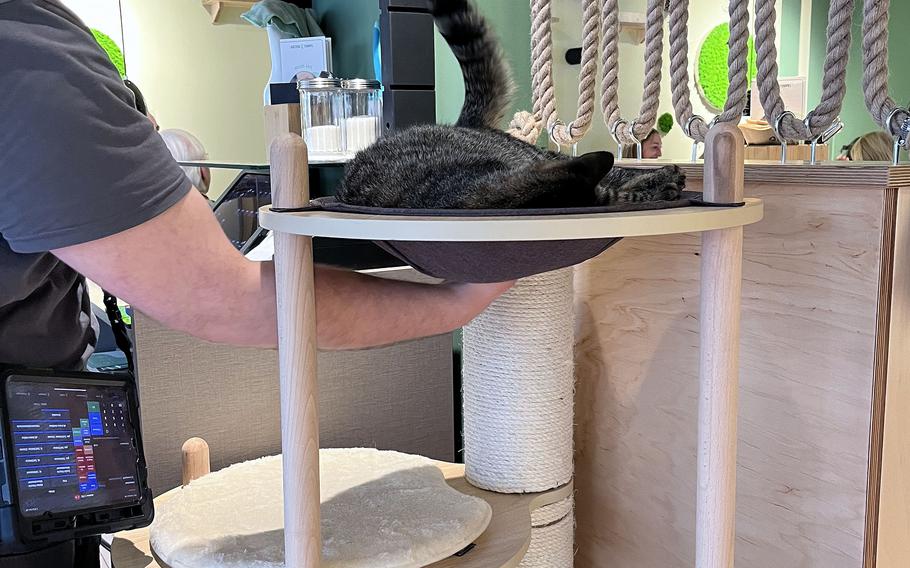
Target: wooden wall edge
[{"x": 880, "y": 378}]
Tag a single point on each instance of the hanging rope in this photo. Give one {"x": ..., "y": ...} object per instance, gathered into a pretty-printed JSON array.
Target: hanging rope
[
  {"x": 625, "y": 132},
  {"x": 566, "y": 135},
  {"x": 541, "y": 60},
  {"x": 893, "y": 118},
  {"x": 737, "y": 61},
  {"x": 789, "y": 127},
  {"x": 525, "y": 125}
]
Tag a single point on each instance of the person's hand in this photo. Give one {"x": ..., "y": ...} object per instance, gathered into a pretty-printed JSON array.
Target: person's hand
[{"x": 475, "y": 298}]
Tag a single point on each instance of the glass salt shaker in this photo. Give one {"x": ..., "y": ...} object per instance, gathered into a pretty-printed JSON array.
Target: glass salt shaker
[
  {"x": 322, "y": 117},
  {"x": 362, "y": 113}
]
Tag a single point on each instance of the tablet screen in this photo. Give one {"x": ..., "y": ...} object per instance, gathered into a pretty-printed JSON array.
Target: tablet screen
[{"x": 73, "y": 445}]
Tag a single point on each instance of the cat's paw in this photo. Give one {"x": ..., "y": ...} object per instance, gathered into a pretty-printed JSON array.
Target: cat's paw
[
  {"x": 664, "y": 184},
  {"x": 671, "y": 177}
]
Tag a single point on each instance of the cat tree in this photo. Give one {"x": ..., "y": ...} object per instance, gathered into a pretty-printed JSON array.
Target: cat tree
[
  {"x": 721, "y": 265},
  {"x": 506, "y": 543},
  {"x": 721, "y": 258}
]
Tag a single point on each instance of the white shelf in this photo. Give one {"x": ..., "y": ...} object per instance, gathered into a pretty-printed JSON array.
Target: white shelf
[
  {"x": 525, "y": 228},
  {"x": 633, "y": 23},
  {"x": 317, "y": 159}
]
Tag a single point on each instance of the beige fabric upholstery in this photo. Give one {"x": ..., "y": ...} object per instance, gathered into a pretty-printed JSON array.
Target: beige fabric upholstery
[{"x": 397, "y": 398}]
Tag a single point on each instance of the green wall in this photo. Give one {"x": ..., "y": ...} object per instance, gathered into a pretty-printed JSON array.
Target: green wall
[
  {"x": 352, "y": 22},
  {"x": 511, "y": 20},
  {"x": 790, "y": 16},
  {"x": 857, "y": 120}
]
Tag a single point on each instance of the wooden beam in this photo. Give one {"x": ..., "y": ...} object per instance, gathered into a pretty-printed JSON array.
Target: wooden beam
[{"x": 721, "y": 288}]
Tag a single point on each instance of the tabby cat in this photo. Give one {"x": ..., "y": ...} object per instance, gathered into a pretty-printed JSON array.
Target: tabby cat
[{"x": 472, "y": 165}]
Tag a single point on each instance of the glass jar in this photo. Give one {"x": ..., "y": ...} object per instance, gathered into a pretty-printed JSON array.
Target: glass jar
[
  {"x": 362, "y": 113},
  {"x": 322, "y": 117}
]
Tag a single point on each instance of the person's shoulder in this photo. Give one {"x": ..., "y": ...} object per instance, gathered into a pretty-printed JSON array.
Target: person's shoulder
[
  {"x": 43, "y": 40},
  {"x": 36, "y": 24}
]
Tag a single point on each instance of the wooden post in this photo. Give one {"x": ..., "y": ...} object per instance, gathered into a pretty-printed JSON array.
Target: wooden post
[
  {"x": 196, "y": 461},
  {"x": 295, "y": 283},
  {"x": 721, "y": 287},
  {"x": 281, "y": 119}
]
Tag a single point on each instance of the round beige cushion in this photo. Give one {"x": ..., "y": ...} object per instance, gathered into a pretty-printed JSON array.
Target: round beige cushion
[{"x": 379, "y": 509}]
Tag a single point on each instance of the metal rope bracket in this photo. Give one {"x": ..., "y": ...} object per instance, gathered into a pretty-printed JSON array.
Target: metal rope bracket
[{"x": 823, "y": 137}]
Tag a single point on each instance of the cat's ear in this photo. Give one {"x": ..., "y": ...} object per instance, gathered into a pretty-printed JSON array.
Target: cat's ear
[{"x": 589, "y": 168}]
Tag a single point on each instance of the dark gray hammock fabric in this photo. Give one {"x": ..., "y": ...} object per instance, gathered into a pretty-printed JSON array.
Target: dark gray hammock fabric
[{"x": 478, "y": 262}]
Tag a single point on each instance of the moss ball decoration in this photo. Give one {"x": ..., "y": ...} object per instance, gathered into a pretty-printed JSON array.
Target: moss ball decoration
[
  {"x": 114, "y": 53},
  {"x": 711, "y": 68},
  {"x": 665, "y": 123}
]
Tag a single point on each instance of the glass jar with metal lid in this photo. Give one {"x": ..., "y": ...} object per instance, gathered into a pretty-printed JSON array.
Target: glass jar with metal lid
[
  {"x": 322, "y": 116},
  {"x": 362, "y": 113}
]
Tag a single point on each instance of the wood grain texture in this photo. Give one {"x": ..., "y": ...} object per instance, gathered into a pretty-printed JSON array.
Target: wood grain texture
[
  {"x": 281, "y": 120},
  {"x": 502, "y": 545},
  {"x": 795, "y": 152},
  {"x": 879, "y": 379},
  {"x": 196, "y": 462},
  {"x": 721, "y": 285},
  {"x": 295, "y": 284},
  {"x": 869, "y": 175},
  {"x": 808, "y": 340},
  {"x": 893, "y": 526}
]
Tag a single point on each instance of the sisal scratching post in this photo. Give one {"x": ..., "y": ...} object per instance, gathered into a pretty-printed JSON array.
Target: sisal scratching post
[
  {"x": 518, "y": 379},
  {"x": 552, "y": 536}
]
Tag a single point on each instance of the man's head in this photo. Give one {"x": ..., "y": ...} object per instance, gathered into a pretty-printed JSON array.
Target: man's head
[{"x": 185, "y": 147}]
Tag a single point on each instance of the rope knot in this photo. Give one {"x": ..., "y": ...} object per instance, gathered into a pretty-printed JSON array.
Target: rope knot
[{"x": 525, "y": 126}]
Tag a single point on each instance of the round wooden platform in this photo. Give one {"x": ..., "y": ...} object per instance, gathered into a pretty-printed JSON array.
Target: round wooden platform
[
  {"x": 502, "y": 545},
  {"x": 523, "y": 228}
]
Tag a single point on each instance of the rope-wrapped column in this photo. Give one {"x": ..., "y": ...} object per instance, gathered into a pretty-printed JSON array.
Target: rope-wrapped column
[
  {"x": 518, "y": 377},
  {"x": 518, "y": 382},
  {"x": 552, "y": 536}
]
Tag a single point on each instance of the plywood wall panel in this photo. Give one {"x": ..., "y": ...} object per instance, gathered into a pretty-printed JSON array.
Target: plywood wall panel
[{"x": 808, "y": 335}]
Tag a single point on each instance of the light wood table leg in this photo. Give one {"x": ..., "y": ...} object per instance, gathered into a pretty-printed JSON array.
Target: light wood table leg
[
  {"x": 295, "y": 283},
  {"x": 721, "y": 289}
]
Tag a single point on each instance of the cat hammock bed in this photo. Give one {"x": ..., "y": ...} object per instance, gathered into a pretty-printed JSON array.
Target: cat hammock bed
[{"x": 457, "y": 261}]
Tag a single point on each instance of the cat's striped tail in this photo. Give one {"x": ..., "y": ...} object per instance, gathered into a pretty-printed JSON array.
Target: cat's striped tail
[{"x": 487, "y": 77}]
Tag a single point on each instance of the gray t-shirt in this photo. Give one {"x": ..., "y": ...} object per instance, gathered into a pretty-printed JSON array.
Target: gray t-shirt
[{"x": 77, "y": 163}]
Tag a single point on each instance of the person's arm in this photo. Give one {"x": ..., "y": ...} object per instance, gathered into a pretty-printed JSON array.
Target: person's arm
[{"x": 181, "y": 270}]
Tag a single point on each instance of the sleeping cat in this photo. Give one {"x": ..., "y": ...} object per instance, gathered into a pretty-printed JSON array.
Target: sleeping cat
[{"x": 472, "y": 165}]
